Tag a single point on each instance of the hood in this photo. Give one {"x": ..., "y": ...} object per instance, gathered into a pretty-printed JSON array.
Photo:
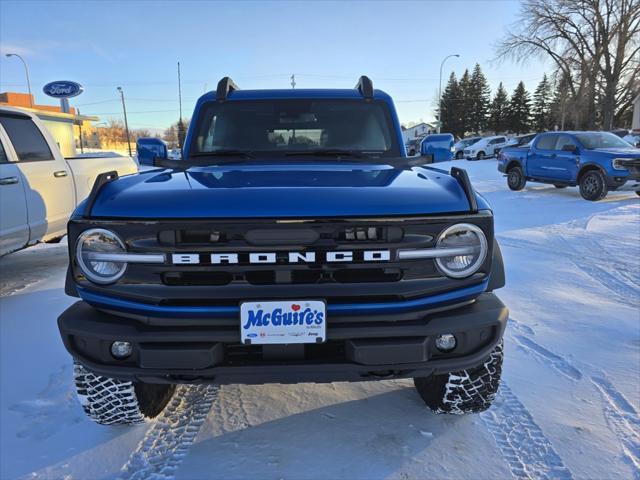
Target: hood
[
  {"x": 268, "y": 191},
  {"x": 630, "y": 152}
]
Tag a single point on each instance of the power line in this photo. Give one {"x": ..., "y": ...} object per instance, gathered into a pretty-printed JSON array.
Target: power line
[{"x": 133, "y": 113}]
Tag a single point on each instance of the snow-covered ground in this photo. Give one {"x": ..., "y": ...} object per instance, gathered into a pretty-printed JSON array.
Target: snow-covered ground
[{"x": 568, "y": 406}]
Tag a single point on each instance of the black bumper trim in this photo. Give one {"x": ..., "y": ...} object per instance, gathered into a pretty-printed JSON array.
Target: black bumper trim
[{"x": 389, "y": 349}]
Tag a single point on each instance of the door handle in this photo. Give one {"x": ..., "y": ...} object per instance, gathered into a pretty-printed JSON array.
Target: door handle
[
  {"x": 60, "y": 173},
  {"x": 8, "y": 180}
]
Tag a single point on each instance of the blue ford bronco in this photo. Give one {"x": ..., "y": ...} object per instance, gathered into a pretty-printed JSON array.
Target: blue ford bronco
[
  {"x": 294, "y": 242},
  {"x": 596, "y": 162}
]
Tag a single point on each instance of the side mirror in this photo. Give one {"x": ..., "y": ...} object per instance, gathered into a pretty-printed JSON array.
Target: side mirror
[{"x": 569, "y": 148}]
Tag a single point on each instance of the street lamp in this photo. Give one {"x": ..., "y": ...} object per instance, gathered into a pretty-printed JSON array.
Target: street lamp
[
  {"x": 26, "y": 71},
  {"x": 126, "y": 124},
  {"x": 440, "y": 89}
]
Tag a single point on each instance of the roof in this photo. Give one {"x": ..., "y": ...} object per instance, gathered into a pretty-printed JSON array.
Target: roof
[
  {"x": 419, "y": 125},
  {"x": 297, "y": 93},
  {"x": 50, "y": 115}
]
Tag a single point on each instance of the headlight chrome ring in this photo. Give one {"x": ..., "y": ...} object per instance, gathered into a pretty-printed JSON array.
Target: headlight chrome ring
[
  {"x": 94, "y": 242},
  {"x": 462, "y": 235}
]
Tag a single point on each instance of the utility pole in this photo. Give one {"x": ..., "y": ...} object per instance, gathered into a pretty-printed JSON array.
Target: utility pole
[
  {"x": 180, "y": 124},
  {"x": 126, "y": 124},
  {"x": 293, "y": 80},
  {"x": 80, "y": 126},
  {"x": 26, "y": 71},
  {"x": 440, "y": 90}
]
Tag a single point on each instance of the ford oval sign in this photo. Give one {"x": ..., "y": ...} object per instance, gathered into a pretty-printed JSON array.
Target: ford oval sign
[{"x": 63, "y": 89}]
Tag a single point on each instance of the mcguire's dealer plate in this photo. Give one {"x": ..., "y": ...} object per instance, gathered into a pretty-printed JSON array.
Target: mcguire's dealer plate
[{"x": 284, "y": 321}]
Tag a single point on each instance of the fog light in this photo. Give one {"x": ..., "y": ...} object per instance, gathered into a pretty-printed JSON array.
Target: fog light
[
  {"x": 446, "y": 342},
  {"x": 121, "y": 349}
]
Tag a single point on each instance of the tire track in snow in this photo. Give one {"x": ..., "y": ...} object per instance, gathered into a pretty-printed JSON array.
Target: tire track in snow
[
  {"x": 524, "y": 446},
  {"x": 170, "y": 436},
  {"x": 623, "y": 420},
  {"x": 558, "y": 362}
]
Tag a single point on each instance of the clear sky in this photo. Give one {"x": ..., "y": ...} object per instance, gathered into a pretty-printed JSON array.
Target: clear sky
[{"x": 136, "y": 44}]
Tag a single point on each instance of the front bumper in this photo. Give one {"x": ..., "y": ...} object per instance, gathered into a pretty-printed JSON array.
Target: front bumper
[
  {"x": 625, "y": 184},
  {"x": 356, "y": 349}
]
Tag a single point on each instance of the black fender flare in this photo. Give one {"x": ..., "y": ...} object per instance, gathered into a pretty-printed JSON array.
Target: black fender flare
[
  {"x": 497, "y": 277},
  {"x": 588, "y": 167},
  {"x": 513, "y": 163}
]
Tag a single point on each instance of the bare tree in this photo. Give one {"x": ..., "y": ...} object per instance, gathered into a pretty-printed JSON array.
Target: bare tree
[{"x": 595, "y": 46}]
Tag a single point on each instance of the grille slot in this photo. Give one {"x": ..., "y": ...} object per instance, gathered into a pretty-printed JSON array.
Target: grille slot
[
  {"x": 368, "y": 275},
  {"x": 197, "y": 278}
]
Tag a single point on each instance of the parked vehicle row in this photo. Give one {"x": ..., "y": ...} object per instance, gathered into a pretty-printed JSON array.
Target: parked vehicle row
[
  {"x": 485, "y": 147},
  {"x": 597, "y": 162},
  {"x": 39, "y": 188},
  {"x": 477, "y": 148}
]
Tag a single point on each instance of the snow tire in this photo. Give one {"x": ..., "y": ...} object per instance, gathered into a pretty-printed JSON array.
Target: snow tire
[
  {"x": 468, "y": 391},
  {"x": 109, "y": 401}
]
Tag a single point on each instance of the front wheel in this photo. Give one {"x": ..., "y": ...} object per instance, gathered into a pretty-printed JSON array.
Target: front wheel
[
  {"x": 593, "y": 186},
  {"x": 469, "y": 391},
  {"x": 109, "y": 401},
  {"x": 480, "y": 156},
  {"x": 516, "y": 179}
]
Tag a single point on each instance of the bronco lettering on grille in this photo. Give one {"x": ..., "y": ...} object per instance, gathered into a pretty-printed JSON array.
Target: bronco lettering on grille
[{"x": 227, "y": 258}]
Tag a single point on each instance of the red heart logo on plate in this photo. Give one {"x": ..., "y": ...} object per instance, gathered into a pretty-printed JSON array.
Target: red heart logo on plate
[{"x": 295, "y": 307}]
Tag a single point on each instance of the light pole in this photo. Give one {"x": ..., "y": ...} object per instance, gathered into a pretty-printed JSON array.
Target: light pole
[
  {"x": 26, "y": 71},
  {"x": 440, "y": 89},
  {"x": 126, "y": 124}
]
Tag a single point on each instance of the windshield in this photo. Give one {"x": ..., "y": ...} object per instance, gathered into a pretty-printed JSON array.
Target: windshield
[
  {"x": 293, "y": 126},
  {"x": 594, "y": 140},
  {"x": 469, "y": 141}
]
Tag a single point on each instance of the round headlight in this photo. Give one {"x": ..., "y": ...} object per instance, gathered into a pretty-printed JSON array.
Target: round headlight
[
  {"x": 90, "y": 249},
  {"x": 466, "y": 237}
]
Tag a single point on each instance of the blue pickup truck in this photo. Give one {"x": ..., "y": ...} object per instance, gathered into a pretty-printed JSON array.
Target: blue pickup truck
[
  {"x": 294, "y": 242},
  {"x": 597, "y": 162}
]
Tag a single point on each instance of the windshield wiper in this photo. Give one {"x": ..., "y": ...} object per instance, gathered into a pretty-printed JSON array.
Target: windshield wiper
[
  {"x": 327, "y": 153},
  {"x": 225, "y": 153}
]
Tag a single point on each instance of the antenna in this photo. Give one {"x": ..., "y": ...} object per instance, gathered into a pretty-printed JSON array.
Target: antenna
[{"x": 293, "y": 80}]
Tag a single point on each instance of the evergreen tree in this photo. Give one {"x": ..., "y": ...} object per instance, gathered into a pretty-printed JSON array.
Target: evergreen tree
[
  {"x": 561, "y": 104},
  {"x": 464, "y": 103},
  {"x": 451, "y": 114},
  {"x": 520, "y": 110},
  {"x": 499, "y": 111},
  {"x": 478, "y": 98},
  {"x": 541, "y": 108}
]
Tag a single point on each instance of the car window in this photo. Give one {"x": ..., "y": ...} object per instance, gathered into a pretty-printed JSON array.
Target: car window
[
  {"x": 27, "y": 140},
  {"x": 285, "y": 126},
  {"x": 499, "y": 140},
  {"x": 591, "y": 140},
  {"x": 547, "y": 142},
  {"x": 564, "y": 140},
  {"x": 3, "y": 154}
]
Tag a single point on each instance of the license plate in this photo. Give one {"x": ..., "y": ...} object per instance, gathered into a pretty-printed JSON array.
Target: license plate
[{"x": 284, "y": 321}]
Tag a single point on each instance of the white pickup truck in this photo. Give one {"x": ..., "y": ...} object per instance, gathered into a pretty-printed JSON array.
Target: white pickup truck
[{"x": 39, "y": 188}]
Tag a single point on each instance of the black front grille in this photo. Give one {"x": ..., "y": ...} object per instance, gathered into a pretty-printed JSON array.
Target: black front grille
[{"x": 217, "y": 284}]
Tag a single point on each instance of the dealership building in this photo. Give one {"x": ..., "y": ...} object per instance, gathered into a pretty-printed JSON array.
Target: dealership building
[{"x": 71, "y": 131}]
